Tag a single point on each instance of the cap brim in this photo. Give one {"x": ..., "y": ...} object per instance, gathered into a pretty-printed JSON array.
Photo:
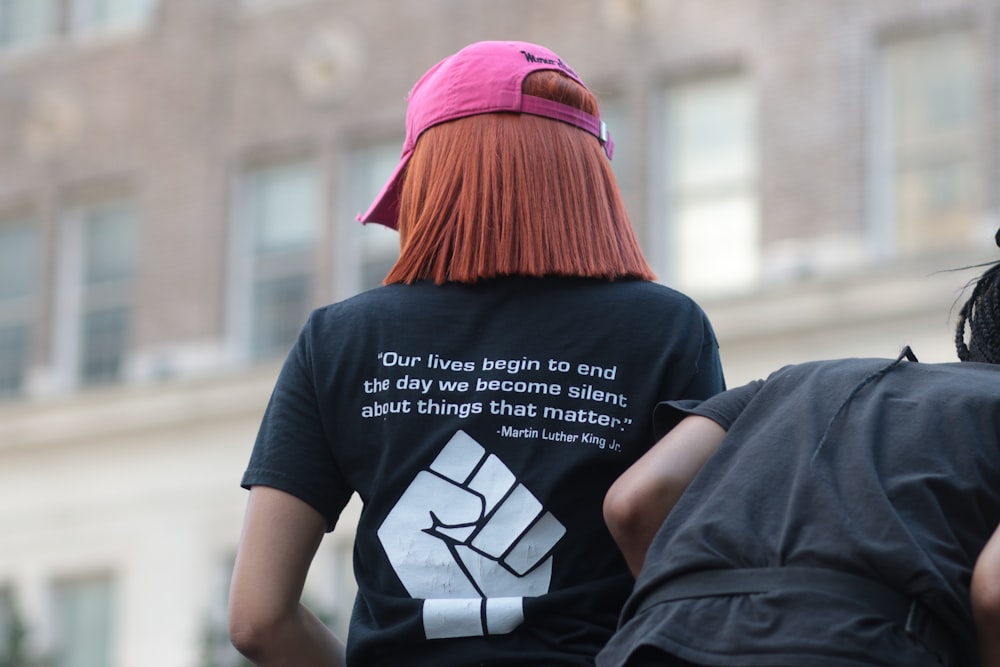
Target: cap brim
[{"x": 385, "y": 209}]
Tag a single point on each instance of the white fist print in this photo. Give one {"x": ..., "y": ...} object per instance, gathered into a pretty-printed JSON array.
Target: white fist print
[{"x": 471, "y": 541}]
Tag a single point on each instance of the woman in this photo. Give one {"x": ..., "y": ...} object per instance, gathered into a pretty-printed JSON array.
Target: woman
[{"x": 482, "y": 401}]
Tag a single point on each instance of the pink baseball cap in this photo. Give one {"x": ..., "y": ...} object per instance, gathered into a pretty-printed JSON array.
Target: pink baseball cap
[{"x": 484, "y": 77}]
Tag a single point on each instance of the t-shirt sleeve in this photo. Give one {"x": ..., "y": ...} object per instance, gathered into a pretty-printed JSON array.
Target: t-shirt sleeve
[
  {"x": 292, "y": 452},
  {"x": 722, "y": 408},
  {"x": 708, "y": 379},
  {"x": 705, "y": 381}
]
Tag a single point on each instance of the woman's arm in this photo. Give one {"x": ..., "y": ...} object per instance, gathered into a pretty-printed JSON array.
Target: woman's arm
[
  {"x": 639, "y": 500},
  {"x": 267, "y": 622},
  {"x": 986, "y": 601}
]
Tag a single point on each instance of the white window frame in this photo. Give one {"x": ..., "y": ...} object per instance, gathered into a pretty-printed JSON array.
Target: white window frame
[
  {"x": 71, "y": 296},
  {"x": 243, "y": 273},
  {"x": 884, "y": 221},
  {"x": 687, "y": 255}
]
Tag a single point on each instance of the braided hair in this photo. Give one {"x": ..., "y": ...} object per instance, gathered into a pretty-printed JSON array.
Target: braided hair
[{"x": 981, "y": 314}]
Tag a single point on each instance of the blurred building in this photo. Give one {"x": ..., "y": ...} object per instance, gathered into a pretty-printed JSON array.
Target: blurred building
[{"x": 178, "y": 185}]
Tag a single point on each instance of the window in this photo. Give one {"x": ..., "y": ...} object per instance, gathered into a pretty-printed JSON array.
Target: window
[
  {"x": 379, "y": 245},
  {"x": 709, "y": 188},
  {"x": 280, "y": 224},
  {"x": 19, "y": 276},
  {"x": 928, "y": 120},
  {"x": 84, "y": 616},
  {"x": 95, "y": 292},
  {"x": 89, "y": 17},
  {"x": 615, "y": 112},
  {"x": 108, "y": 277},
  {"x": 25, "y": 23}
]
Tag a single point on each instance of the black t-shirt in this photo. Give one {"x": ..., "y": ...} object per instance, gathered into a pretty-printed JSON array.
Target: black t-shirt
[
  {"x": 481, "y": 425},
  {"x": 902, "y": 486}
]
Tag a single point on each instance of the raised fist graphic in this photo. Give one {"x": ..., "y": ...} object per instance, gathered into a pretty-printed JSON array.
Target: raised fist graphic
[{"x": 470, "y": 540}]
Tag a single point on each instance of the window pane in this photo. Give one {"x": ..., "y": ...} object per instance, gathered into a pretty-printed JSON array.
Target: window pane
[
  {"x": 379, "y": 251},
  {"x": 18, "y": 260},
  {"x": 283, "y": 217},
  {"x": 711, "y": 191},
  {"x": 91, "y": 16},
  {"x": 932, "y": 118},
  {"x": 14, "y": 353},
  {"x": 25, "y": 22},
  {"x": 104, "y": 342},
  {"x": 711, "y": 133},
  {"x": 700, "y": 228},
  {"x": 379, "y": 244},
  {"x": 279, "y": 310},
  {"x": 284, "y": 207},
  {"x": 615, "y": 113},
  {"x": 84, "y": 617},
  {"x": 19, "y": 277},
  {"x": 109, "y": 244},
  {"x": 108, "y": 268}
]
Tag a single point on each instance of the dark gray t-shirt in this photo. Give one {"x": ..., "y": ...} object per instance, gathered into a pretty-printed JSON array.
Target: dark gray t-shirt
[
  {"x": 481, "y": 425},
  {"x": 904, "y": 489}
]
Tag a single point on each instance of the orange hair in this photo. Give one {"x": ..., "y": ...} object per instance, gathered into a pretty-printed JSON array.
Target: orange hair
[{"x": 514, "y": 194}]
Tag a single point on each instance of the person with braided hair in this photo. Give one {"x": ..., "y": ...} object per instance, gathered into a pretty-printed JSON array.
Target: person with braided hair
[
  {"x": 839, "y": 512},
  {"x": 982, "y": 315}
]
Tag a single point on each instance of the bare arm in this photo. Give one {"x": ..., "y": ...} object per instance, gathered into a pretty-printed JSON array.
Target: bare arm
[
  {"x": 639, "y": 500},
  {"x": 986, "y": 601},
  {"x": 267, "y": 622}
]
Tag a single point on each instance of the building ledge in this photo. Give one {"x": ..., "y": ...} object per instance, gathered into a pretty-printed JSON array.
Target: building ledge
[
  {"x": 124, "y": 410},
  {"x": 925, "y": 287}
]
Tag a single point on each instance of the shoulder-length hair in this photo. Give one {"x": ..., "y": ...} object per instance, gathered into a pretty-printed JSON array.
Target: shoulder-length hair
[{"x": 504, "y": 194}]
